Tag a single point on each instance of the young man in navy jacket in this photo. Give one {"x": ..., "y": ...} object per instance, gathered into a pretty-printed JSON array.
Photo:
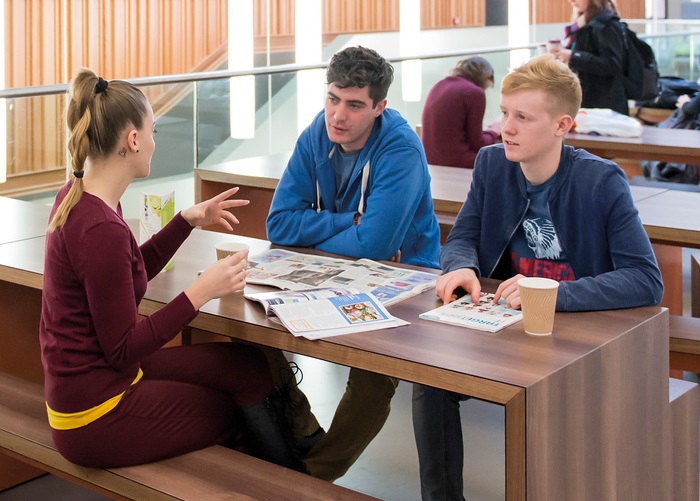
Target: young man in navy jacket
[
  {"x": 535, "y": 208},
  {"x": 358, "y": 185}
]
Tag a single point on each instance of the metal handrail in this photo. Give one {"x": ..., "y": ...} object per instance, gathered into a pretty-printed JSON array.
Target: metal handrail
[{"x": 48, "y": 90}]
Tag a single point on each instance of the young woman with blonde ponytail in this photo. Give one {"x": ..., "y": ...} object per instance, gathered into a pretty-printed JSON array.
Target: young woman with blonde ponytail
[{"x": 114, "y": 396}]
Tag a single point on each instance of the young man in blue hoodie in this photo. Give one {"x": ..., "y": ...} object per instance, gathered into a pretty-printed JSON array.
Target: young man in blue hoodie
[
  {"x": 536, "y": 207},
  {"x": 358, "y": 185}
]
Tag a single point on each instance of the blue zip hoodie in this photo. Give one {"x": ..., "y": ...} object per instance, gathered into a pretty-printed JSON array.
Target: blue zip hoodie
[
  {"x": 595, "y": 218},
  {"x": 397, "y": 206}
]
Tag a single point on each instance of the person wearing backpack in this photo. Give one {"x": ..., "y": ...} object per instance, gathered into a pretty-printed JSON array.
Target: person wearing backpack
[{"x": 594, "y": 50}]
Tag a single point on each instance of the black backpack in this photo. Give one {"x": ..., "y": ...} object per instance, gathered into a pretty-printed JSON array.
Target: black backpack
[{"x": 641, "y": 75}]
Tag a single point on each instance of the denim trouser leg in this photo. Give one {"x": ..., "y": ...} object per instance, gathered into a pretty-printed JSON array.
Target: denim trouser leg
[{"x": 438, "y": 431}]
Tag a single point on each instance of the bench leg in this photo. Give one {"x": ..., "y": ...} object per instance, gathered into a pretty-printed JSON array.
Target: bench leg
[{"x": 20, "y": 309}]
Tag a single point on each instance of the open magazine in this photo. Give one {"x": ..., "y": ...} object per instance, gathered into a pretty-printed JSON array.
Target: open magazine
[
  {"x": 286, "y": 269},
  {"x": 484, "y": 316},
  {"x": 269, "y": 299},
  {"x": 334, "y": 315}
]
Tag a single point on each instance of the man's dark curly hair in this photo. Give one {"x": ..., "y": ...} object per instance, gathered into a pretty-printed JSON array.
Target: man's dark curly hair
[{"x": 360, "y": 67}]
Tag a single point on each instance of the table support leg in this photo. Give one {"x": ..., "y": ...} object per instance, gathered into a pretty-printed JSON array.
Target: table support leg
[{"x": 670, "y": 259}]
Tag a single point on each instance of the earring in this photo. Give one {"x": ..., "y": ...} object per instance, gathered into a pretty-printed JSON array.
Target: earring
[
  {"x": 122, "y": 153},
  {"x": 137, "y": 151}
]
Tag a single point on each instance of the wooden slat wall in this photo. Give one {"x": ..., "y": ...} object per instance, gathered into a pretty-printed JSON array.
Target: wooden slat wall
[
  {"x": 440, "y": 14},
  {"x": 33, "y": 40},
  {"x": 345, "y": 16},
  {"x": 129, "y": 38},
  {"x": 114, "y": 38},
  {"x": 33, "y": 29},
  {"x": 135, "y": 38},
  {"x": 281, "y": 17},
  {"x": 560, "y": 11}
]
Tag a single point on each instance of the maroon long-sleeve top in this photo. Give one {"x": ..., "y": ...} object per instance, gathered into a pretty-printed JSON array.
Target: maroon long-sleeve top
[
  {"x": 452, "y": 121},
  {"x": 95, "y": 275}
]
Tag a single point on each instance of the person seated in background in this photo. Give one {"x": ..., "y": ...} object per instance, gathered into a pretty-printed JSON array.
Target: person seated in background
[
  {"x": 685, "y": 116},
  {"x": 114, "y": 396},
  {"x": 536, "y": 208},
  {"x": 689, "y": 106},
  {"x": 453, "y": 115},
  {"x": 357, "y": 184}
]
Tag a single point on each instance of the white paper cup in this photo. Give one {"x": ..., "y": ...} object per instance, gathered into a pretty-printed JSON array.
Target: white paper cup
[
  {"x": 552, "y": 45},
  {"x": 538, "y": 300},
  {"x": 228, "y": 248}
]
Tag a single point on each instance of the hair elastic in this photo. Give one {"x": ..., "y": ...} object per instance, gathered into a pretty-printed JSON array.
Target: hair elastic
[
  {"x": 101, "y": 85},
  {"x": 78, "y": 173}
]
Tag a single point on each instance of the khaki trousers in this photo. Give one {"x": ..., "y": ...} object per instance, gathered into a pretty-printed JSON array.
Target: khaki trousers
[{"x": 361, "y": 413}]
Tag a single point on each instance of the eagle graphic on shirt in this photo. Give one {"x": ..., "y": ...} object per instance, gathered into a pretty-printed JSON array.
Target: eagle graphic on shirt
[{"x": 542, "y": 238}]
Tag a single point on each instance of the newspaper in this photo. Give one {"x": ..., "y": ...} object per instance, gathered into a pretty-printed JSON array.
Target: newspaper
[
  {"x": 484, "y": 316},
  {"x": 335, "y": 315},
  {"x": 286, "y": 269},
  {"x": 268, "y": 299}
]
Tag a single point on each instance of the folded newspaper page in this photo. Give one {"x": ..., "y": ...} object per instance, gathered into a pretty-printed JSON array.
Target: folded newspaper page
[
  {"x": 286, "y": 269},
  {"x": 268, "y": 299},
  {"x": 335, "y": 315}
]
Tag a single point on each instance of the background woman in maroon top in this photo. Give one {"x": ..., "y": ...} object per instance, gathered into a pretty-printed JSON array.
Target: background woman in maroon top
[
  {"x": 114, "y": 397},
  {"x": 453, "y": 115}
]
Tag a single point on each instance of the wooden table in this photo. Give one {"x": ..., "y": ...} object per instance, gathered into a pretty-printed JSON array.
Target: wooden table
[
  {"x": 582, "y": 421},
  {"x": 558, "y": 380},
  {"x": 29, "y": 219},
  {"x": 672, "y": 217},
  {"x": 259, "y": 176},
  {"x": 667, "y": 145},
  {"x": 22, "y": 227}
]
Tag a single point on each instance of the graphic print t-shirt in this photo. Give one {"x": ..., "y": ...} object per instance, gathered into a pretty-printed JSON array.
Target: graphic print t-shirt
[
  {"x": 344, "y": 164},
  {"x": 534, "y": 249}
]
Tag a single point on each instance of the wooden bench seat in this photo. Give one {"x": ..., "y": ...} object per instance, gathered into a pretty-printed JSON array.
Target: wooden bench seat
[
  {"x": 650, "y": 116},
  {"x": 643, "y": 181},
  {"x": 684, "y": 332},
  {"x": 684, "y": 343},
  {"x": 445, "y": 222},
  {"x": 212, "y": 473}
]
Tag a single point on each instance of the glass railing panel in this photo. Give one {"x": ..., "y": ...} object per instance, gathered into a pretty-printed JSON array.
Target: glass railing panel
[
  {"x": 675, "y": 45},
  {"x": 275, "y": 119},
  {"x": 434, "y": 70},
  {"x": 194, "y": 117},
  {"x": 173, "y": 106},
  {"x": 677, "y": 55},
  {"x": 35, "y": 136}
]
